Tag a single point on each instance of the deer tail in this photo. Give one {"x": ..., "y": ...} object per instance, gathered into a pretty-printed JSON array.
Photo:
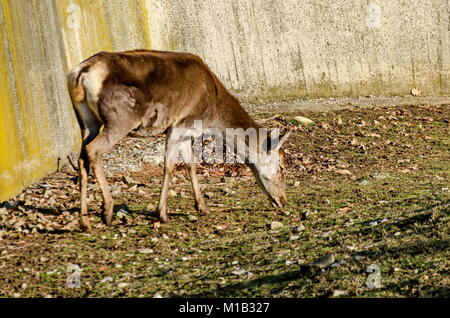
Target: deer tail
[{"x": 75, "y": 83}]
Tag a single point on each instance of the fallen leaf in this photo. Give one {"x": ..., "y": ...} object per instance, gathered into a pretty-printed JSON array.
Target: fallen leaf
[{"x": 416, "y": 92}]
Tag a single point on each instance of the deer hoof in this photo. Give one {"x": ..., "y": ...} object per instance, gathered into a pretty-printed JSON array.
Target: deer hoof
[
  {"x": 164, "y": 218},
  {"x": 203, "y": 211},
  {"x": 86, "y": 228},
  {"x": 107, "y": 219}
]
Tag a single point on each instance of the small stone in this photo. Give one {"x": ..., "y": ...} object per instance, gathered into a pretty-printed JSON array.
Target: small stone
[
  {"x": 208, "y": 195},
  {"x": 192, "y": 218},
  {"x": 157, "y": 295},
  {"x": 228, "y": 191},
  {"x": 289, "y": 263},
  {"x": 122, "y": 285},
  {"x": 364, "y": 182},
  {"x": 122, "y": 214},
  {"x": 172, "y": 193},
  {"x": 343, "y": 172},
  {"x": 324, "y": 262},
  {"x": 339, "y": 293},
  {"x": 296, "y": 183},
  {"x": 397, "y": 233},
  {"x": 146, "y": 251},
  {"x": 227, "y": 180},
  {"x": 294, "y": 237},
  {"x": 300, "y": 228},
  {"x": 3, "y": 211},
  {"x": 274, "y": 226},
  {"x": 107, "y": 279},
  {"x": 303, "y": 120}
]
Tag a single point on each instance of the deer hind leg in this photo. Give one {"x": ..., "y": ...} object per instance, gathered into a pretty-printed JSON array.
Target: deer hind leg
[
  {"x": 83, "y": 167},
  {"x": 90, "y": 127},
  {"x": 105, "y": 140}
]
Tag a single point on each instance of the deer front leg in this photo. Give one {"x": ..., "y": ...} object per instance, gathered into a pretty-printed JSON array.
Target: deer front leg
[
  {"x": 170, "y": 156},
  {"x": 200, "y": 205},
  {"x": 162, "y": 205}
]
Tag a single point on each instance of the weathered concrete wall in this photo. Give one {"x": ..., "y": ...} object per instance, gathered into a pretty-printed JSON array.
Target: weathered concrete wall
[
  {"x": 308, "y": 48},
  {"x": 36, "y": 128},
  {"x": 261, "y": 49}
]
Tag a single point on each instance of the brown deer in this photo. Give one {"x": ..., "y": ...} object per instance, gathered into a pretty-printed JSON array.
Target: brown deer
[{"x": 145, "y": 92}]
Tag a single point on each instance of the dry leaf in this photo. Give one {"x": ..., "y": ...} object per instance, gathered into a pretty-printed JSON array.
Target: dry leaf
[
  {"x": 416, "y": 92},
  {"x": 343, "y": 210}
]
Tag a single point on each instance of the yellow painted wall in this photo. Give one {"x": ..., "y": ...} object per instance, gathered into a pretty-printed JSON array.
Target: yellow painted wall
[
  {"x": 40, "y": 41},
  {"x": 37, "y": 128}
]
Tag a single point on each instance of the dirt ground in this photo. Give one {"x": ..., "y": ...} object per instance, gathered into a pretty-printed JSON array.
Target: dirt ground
[{"x": 367, "y": 216}]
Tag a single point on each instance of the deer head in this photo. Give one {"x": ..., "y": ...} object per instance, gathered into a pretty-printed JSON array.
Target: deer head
[{"x": 270, "y": 172}]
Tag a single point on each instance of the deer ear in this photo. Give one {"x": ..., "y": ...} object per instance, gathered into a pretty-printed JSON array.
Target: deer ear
[{"x": 274, "y": 143}]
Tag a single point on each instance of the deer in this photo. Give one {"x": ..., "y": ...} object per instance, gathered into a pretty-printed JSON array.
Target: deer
[{"x": 142, "y": 93}]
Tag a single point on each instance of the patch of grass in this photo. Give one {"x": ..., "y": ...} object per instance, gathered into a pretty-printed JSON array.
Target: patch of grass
[{"x": 391, "y": 211}]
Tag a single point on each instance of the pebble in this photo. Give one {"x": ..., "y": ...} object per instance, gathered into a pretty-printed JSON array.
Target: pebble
[
  {"x": 303, "y": 120},
  {"x": 324, "y": 262},
  {"x": 106, "y": 279},
  {"x": 274, "y": 226},
  {"x": 289, "y": 263},
  {"x": 146, "y": 251},
  {"x": 208, "y": 195},
  {"x": 122, "y": 214},
  {"x": 343, "y": 172},
  {"x": 364, "y": 182},
  {"x": 339, "y": 293},
  {"x": 192, "y": 218}
]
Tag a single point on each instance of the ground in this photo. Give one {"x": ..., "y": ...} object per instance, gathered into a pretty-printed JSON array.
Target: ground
[{"x": 367, "y": 216}]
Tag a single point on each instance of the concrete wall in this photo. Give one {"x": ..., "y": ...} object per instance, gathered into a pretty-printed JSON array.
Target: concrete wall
[
  {"x": 261, "y": 49},
  {"x": 313, "y": 48},
  {"x": 36, "y": 127}
]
